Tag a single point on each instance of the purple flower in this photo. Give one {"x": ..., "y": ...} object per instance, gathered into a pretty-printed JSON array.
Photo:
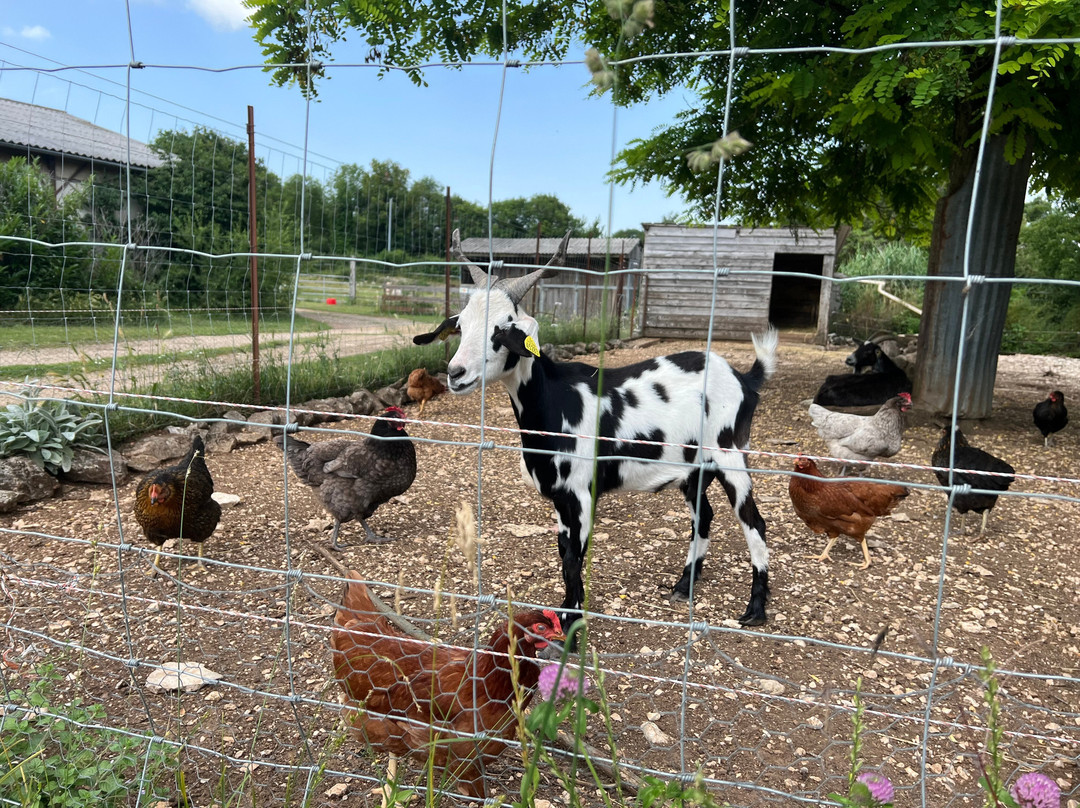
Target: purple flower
[
  {"x": 565, "y": 683},
  {"x": 1036, "y": 790},
  {"x": 881, "y": 790}
]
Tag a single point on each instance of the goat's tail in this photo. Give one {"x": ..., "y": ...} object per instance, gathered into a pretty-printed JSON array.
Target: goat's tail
[{"x": 765, "y": 364}]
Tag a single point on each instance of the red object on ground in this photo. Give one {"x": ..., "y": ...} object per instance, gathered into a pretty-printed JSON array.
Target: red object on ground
[{"x": 331, "y": 301}]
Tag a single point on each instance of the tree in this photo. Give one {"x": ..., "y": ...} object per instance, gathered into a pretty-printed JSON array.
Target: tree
[
  {"x": 892, "y": 134},
  {"x": 29, "y": 209}
]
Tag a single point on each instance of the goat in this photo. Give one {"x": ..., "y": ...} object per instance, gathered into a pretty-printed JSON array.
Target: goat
[
  {"x": 652, "y": 410},
  {"x": 864, "y": 356},
  {"x": 884, "y": 381}
]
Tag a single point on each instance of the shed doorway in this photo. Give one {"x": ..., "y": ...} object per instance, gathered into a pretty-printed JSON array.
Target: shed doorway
[{"x": 794, "y": 301}]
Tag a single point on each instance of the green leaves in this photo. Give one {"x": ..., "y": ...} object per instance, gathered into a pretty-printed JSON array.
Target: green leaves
[
  {"x": 49, "y": 759},
  {"x": 48, "y": 431}
]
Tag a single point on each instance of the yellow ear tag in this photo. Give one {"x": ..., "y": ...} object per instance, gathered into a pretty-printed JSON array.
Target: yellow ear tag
[{"x": 531, "y": 347}]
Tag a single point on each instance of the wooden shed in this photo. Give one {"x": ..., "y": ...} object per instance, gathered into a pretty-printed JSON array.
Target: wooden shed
[
  {"x": 679, "y": 259},
  {"x": 570, "y": 294}
]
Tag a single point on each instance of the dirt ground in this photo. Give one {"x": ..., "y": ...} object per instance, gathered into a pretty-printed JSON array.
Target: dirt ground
[{"x": 764, "y": 714}]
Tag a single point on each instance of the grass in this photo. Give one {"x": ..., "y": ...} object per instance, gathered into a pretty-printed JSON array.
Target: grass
[
  {"x": 79, "y": 329},
  {"x": 315, "y": 373}
]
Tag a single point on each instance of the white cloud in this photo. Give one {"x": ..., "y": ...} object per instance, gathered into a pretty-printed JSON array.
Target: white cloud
[
  {"x": 224, "y": 15},
  {"x": 34, "y": 32}
]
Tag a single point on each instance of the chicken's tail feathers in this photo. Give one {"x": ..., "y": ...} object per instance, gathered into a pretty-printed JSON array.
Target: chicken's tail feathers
[
  {"x": 296, "y": 449},
  {"x": 765, "y": 350}
]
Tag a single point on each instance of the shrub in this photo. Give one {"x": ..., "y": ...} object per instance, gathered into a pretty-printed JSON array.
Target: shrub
[{"x": 48, "y": 431}]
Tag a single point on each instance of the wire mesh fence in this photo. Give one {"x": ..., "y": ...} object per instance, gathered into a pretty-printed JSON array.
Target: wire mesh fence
[{"x": 888, "y": 658}]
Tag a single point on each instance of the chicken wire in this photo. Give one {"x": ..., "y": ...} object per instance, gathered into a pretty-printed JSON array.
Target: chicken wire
[{"x": 773, "y": 731}]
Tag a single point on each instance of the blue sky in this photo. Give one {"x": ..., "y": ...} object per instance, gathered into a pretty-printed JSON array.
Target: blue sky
[{"x": 553, "y": 138}]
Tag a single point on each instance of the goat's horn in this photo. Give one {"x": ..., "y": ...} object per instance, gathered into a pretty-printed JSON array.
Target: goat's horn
[
  {"x": 516, "y": 288},
  {"x": 479, "y": 277}
]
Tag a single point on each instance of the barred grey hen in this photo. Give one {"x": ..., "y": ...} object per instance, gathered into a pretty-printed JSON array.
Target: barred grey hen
[{"x": 354, "y": 477}]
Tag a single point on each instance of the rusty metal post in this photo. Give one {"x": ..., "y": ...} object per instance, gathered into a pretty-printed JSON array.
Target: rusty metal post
[
  {"x": 585, "y": 308},
  {"x": 446, "y": 301},
  {"x": 254, "y": 237},
  {"x": 618, "y": 299}
]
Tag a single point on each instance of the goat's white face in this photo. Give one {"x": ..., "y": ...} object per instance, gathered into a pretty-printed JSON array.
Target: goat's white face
[{"x": 479, "y": 356}]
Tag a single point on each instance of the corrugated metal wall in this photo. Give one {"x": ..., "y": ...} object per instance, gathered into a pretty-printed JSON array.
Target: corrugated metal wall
[{"x": 677, "y": 301}]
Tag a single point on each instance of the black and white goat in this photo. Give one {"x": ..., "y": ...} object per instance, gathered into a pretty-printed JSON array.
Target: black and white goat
[{"x": 658, "y": 401}]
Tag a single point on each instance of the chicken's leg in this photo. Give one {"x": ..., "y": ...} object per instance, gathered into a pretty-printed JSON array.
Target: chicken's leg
[
  {"x": 153, "y": 571},
  {"x": 866, "y": 555},
  {"x": 423, "y": 401},
  {"x": 334, "y": 535},
  {"x": 982, "y": 529},
  {"x": 201, "y": 562},
  {"x": 372, "y": 536},
  {"x": 825, "y": 553}
]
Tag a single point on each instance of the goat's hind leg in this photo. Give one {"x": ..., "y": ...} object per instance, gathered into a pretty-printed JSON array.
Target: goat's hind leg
[
  {"x": 699, "y": 534},
  {"x": 740, "y": 493}
]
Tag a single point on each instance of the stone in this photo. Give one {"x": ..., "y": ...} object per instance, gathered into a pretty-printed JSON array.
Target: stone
[
  {"x": 29, "y": 481},
  {"x": 88, "y": 466},
  {"x": 186, "y": 676}
]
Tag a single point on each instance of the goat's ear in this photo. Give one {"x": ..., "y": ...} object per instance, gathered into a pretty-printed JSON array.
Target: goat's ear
[
  {"x": 446, "y": 329},
  {"x": 515, "y": 340}
]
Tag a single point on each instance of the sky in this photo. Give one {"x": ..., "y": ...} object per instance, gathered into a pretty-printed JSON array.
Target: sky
[{"x": 553, "y": 137}]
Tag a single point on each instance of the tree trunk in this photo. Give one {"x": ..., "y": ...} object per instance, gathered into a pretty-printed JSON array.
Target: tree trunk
[{"x": 1002, "y": 189}]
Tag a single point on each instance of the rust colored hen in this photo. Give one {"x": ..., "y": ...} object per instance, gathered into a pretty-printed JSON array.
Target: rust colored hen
[
  {"x": 835, "y": 508},
  {"x": 407, "y": 696},
  {"x": 423, "y": 387},
  {"x": 175, "y": 502}
]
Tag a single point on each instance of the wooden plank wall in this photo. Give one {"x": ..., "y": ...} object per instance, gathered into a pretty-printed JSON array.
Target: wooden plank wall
[{"x": 677, "y": 303}]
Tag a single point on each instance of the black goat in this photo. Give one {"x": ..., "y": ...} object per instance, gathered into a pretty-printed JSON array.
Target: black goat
[{"x": 884, "y": 381}]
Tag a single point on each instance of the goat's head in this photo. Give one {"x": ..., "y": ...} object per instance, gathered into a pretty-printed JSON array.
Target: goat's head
[{"x": 491, "y": 353}]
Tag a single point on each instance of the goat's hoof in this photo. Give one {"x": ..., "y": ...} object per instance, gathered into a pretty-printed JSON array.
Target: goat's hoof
[{"x": 752, "y": 620}]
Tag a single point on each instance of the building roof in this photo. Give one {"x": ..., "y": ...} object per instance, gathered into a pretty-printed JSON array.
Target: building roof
[
  {"x": 50, "y": 131},
  {"x": 580, "y": 247}
]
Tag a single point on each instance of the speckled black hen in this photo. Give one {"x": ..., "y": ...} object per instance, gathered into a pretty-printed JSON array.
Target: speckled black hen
[
  {"x": 354, "y": 477},
  {"x": 175, "y": 502}
]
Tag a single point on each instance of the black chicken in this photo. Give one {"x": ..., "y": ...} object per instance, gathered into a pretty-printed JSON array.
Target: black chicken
[
  {"x": 354, "y": 477},
  {"x": 1050, "y": 415},
  {"x": 175, "y": 502},
  {"x": 972, "y": 459}
]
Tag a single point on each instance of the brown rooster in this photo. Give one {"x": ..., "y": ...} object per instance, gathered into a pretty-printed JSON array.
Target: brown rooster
[
  {"x": 354, "y": 477},
  {"x": 407, "y": 696},
  {"x": 836, "y": 508},
  {"x": 175, "y": 502},
  {"x": 423, "y": 387}
]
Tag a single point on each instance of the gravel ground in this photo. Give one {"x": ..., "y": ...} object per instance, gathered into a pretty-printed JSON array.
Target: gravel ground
[{"x": 764, "y": 713}]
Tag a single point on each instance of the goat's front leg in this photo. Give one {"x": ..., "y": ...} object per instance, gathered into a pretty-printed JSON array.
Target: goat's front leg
[{"x": 575, "y": 522}]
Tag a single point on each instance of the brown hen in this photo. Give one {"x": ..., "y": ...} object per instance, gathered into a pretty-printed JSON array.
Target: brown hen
[
  {"x": 423, "y": 387},
  {"x": 175, "y": 502},
  {"x": 407, "y": 696},
  {"x": 834, "y": 508}
]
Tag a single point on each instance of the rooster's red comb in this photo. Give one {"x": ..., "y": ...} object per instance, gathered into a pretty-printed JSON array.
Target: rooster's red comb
[
  {"x": 397, "y": 412},
  {"x": 553, "y": 619}
]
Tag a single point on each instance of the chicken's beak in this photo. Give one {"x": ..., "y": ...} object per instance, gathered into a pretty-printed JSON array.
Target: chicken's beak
[
  {"x": 551, "y": 646},
  {"x": 155, "y": 494}
]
